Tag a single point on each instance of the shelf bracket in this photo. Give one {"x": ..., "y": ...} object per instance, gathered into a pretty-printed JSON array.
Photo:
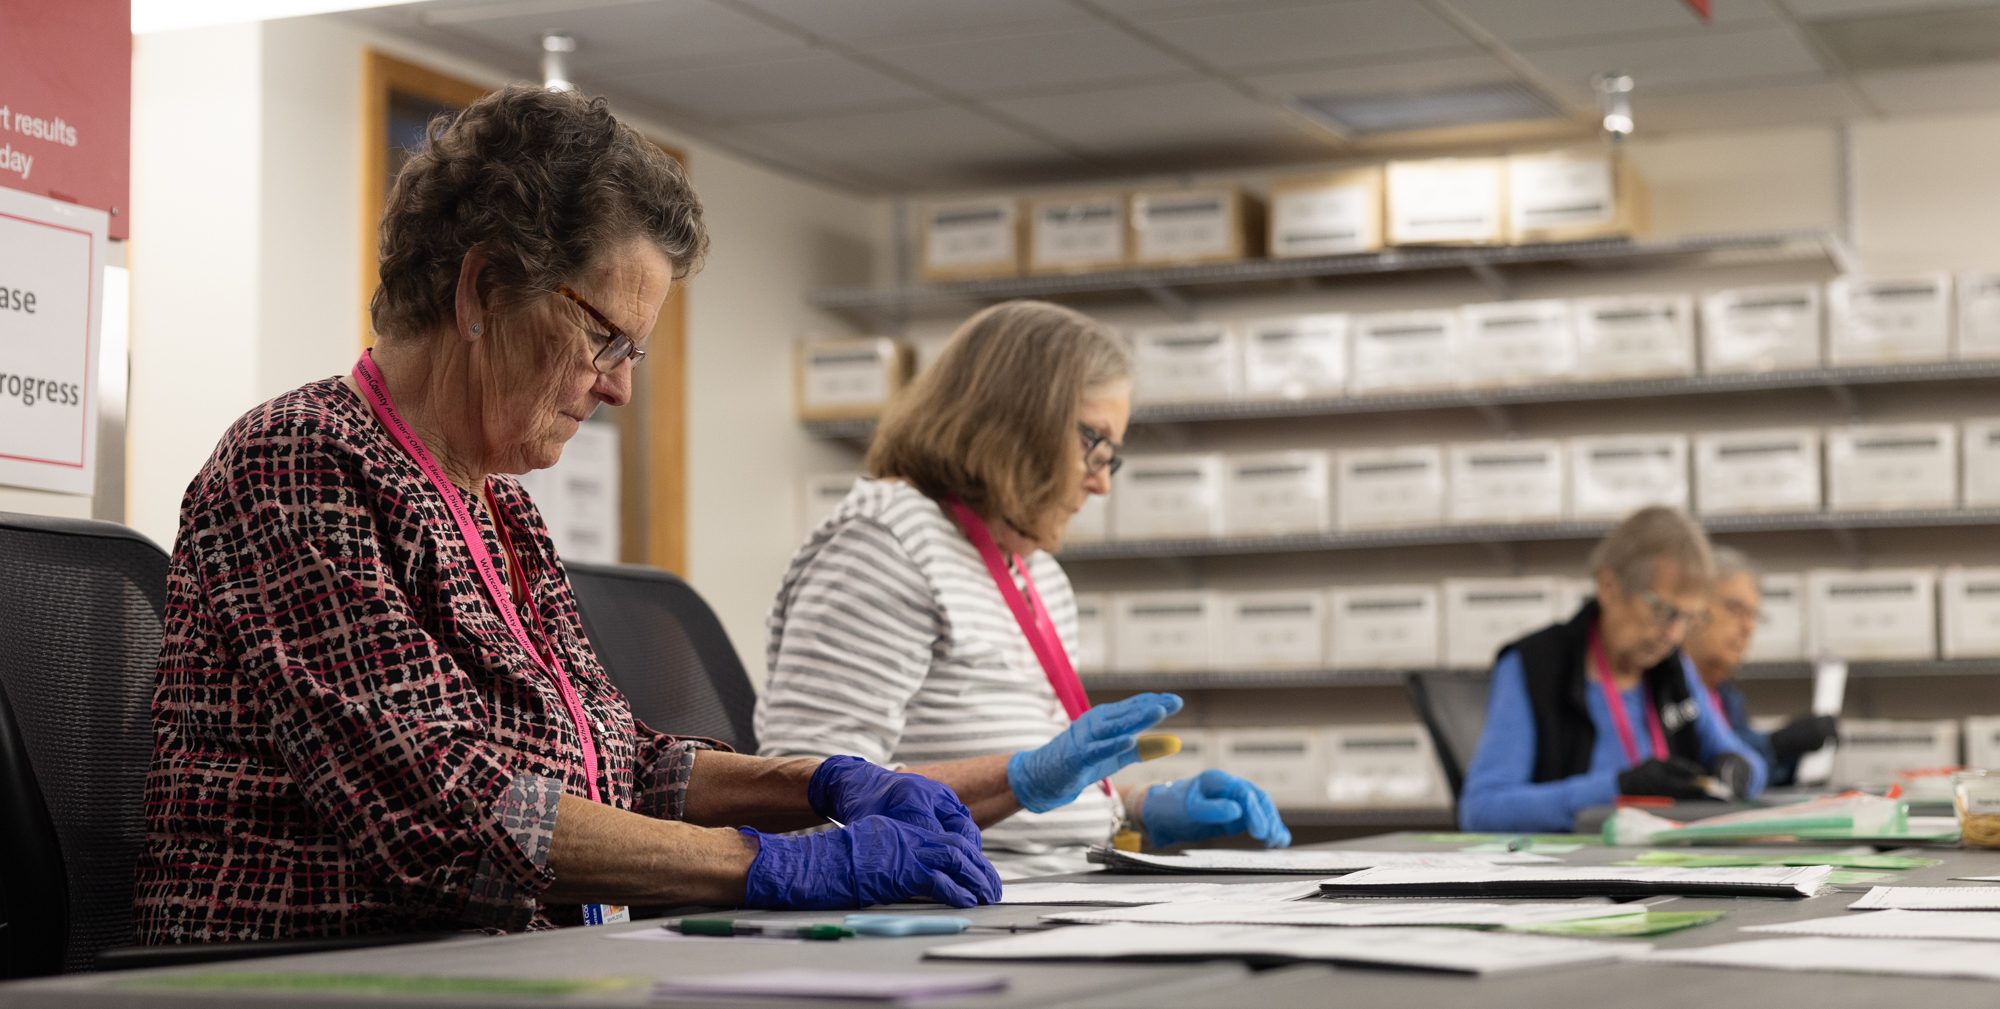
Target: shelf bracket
[
  {"x": 1170, "y": 301},
  {"x": 1490, "y": 275},
  {"x": 1854, "y": 543},
  {"x": 1845, "y": 400},
  {"x": 1499, "y": 416},
  {"x": 1503, "y": 552}
]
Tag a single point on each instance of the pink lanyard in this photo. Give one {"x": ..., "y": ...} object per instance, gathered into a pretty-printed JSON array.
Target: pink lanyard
[
  {"x": 1032, "y": 616},
  {"x": 376, "y": 391},
  {"x": 1615, "y": 701}
]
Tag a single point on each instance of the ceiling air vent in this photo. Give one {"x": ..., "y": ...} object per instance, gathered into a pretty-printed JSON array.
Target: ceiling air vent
[
  {"x": 1924, "y": 38},
  {"x": 1361, "y": 115}
]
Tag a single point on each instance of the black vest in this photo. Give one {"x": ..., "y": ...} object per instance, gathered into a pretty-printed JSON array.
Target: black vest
[{"x": 1553, "y": 660}]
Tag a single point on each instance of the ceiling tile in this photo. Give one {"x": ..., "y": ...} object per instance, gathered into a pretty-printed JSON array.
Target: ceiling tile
[
  {"x": 884, "y": 139},
  {"x": 1813, "y": 10},
  {"x": 1967, "y": 87},
  {"x": 1680, "y": 62},
  {"x": 764, "y": 89},
  {"x": 1323, "y": 32},
  {"x": 1518, "y": 21},
  {"x": 1781, "y": 105},
  {"x": 1034, "y": 61},
  {"x": 1152, "y": 10},
  {"x": 869, "y": 23},
  {"x": 654, "y": 31},
  {"x": 1388, "y": 78},
  {"x": 1113, "y": 119}
]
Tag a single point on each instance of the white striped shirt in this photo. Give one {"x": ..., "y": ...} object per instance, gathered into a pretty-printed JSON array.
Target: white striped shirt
[{"x": 890, "y": 642}]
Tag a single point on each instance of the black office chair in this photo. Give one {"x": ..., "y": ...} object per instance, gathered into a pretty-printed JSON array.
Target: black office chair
[
  {"x": 665, "y": 650},
  {"x": 1453, "y": 707}
]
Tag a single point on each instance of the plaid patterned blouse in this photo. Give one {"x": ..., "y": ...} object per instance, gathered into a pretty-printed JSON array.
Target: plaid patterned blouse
[{"x": 347, "y": 739}]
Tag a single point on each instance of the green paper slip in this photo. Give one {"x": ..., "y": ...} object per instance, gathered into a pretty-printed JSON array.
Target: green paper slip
[
  {"x": 380, "y": 984},
  {"x": 1692, "y": 860},
  {"x": 1644, "y": 923},
  {"x": 1849, "y": 877}
]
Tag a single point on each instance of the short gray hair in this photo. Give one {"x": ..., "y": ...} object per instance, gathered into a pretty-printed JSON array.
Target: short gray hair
[
  {"x": 1633, "y": 550},
  {"x": 1730, "y": 562}
]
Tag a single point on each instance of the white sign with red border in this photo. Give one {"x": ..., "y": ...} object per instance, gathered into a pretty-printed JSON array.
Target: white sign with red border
[{"x": 51, "y": 309}]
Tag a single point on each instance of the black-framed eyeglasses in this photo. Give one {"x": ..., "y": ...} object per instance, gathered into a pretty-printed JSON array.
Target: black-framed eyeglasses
[
  {"x": 617, "y": 349},
  {"x": 1099, "y": 454},
  {"x": 1666, "y": 614}
]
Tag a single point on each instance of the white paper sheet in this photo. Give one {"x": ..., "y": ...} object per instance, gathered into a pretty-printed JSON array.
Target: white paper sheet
[
  {"x": 1980, "y": 879},
  {"x": 1803, "y": 880},
  {"x": 1448, "y": 949},
  {"x": 1916, "y": 957},
  {"x": 832, "y": 984},
  {"x": 1895, "y": 924},
  {"x": 1326, "y": 912},
  {"x": 1929, "y": 898},
  {"x": 1116, "y": 894},
  {"x": 1324, "y": 861}
]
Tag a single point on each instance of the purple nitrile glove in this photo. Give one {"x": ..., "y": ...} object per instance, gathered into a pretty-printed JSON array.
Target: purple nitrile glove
[
  {"x": 845, "y": 789},
  {"x": 874, "y": 860}
]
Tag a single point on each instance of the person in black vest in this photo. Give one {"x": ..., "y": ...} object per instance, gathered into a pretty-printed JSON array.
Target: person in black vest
[
  {"x": 1553, "y": 745},
  {"x": 1718, "y": 650}
]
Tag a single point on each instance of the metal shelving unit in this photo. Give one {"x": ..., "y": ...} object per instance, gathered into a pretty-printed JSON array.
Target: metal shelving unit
[
  {"x": 1833, "y": 522},
  {"x": 1266, "y": 680}
]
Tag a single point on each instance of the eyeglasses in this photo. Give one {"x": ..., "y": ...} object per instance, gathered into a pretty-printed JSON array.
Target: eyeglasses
[
  {"x": 618, "y": 347},
  {"x": 1666, "y": 614},
  {"x": 1098, "y": 452}
]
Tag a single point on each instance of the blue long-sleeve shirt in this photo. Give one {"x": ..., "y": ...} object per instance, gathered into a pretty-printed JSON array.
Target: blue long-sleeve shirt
[
  {"x": 1738, "y": 712},
  {"x": 1500, "y": 791}
]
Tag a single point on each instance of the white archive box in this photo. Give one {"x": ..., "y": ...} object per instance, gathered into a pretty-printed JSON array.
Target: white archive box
[
  {"x": 1276, "y": 493},
  {"x": 1076, "y": 234},
  {"x": 1208, "y": 225},
  {"x": 1197, "y": 754},
  {"x": 1326, "y": 215},
  {"x": 1454, "y": 201},
  {"x": 1286, "y": 762},
  {"x": 1295, "y": 357},
  {"x": 1613, "y": 477},
  {"x": 1093, "y": 632},
  {"x": 1514, "y": 343},
  {"x": 1505, "y": 481},
  {"x": 1634, "y": 336},
  {"x": 1977, "y": 334},
  {"x": 1980, "y": 462},
  {"x": 1092, "y": 522},
  {"x": 1389, "y": 488},
  {"x": 1761, "y": 329},
  {"x": 1781, "y": 620},
  {"x": 1168, "y": 497},
  {"x": 1283, "y": 629},
  {"x": 1875, "y": 751},
  {"x": 1402, "y": 351},
  {"x": 842, "y": 378},
  {"x": 821, "y": 494},
  {"x": 1885, "y": 320},
  {"x": 1164, "y": 631},
  {"x": 1482, "y": 614},
  {"x": 972, "y": 239},
  {"x": 1970, "y": 598},
  {"x": 1889, "y": 613},
  {"x": 1382, "y": 766},
  {"x": 1563, "y": 196},
  {"x": 1769, "y": 470},
  {"x": 1383, "y": 627},
  {"x": 1571, "y": 594},
  {"x": 1982, "y": 742},
  {"x": 1193, "y": 362},
  {"x": 1885, "y": 467}
]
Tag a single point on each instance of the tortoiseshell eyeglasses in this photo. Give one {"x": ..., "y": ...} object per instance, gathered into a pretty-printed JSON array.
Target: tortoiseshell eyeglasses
[{"x": 618, "y": 347}]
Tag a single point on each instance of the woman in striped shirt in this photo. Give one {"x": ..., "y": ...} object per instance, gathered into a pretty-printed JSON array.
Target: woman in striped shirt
[{"x": 923, "y": 625}]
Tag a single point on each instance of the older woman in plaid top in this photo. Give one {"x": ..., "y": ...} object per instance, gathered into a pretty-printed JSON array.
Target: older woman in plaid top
[{"x": 354, "y": 734}]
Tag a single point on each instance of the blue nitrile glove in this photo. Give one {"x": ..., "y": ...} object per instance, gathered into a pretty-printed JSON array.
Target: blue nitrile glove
[
  {"x": 1092, "y": 748},
  {"x": 1211, "y": 804},
  {"x": 846, "y": 789},
  {"x": 874, "y": 860}
]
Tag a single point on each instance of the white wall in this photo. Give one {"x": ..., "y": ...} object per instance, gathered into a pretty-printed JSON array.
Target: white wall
[{"x": 1928, "y": 195}]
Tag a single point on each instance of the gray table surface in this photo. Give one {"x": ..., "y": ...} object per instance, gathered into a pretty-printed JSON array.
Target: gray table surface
[{"x": 1217, "y": 985}]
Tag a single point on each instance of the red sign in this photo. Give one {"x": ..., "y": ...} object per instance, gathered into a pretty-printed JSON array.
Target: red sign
[{"x": 66, "y": 102}]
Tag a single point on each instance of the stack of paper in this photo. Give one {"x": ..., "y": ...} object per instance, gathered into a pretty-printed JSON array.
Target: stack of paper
[
  {"x": 1930, "y": 898},
  {"x": 1322, "y": 862},
  {"x": 1447, "y": 949},
  {"x": 1580, "y": 881},
  {"x": 1326, "y": 912},
  {"x": 1152, "y": 893},
  {"x": 1896, "y": 925},
  {"x": 1918, "y": 957}
]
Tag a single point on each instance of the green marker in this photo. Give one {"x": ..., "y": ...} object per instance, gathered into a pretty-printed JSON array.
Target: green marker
[{"x": 771, "y": 930}]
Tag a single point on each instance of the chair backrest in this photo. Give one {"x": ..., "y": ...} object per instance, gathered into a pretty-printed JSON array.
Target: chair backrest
[
  {"x": 1453, "y": 707},
  {"x": 665, "y": 650},
  {"x": 80, "y": 622}
]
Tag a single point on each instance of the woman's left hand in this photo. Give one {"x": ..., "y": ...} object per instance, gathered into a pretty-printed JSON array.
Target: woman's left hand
[
  {"x": 847, "y": 789},
  {"x": 1211, "y": 804}
]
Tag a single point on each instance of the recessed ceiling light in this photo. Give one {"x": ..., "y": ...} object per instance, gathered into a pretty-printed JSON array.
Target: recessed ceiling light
[{"x": 1459, "y": 106}]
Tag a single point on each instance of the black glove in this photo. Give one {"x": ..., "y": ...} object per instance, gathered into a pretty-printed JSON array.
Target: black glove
[
  {"x": 1804, "y": 736},
  {"x": 1671, "y": 778},
  {"x": 1734, "y": 771}
]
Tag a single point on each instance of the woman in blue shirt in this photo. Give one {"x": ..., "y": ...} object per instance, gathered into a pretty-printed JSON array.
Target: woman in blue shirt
[{"x": 1553, "y": 742}]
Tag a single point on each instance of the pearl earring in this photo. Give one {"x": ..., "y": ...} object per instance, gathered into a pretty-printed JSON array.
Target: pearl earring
[{"x": 475, "y": 329}]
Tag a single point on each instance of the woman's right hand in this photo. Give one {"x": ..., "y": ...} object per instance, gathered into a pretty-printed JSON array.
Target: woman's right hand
[
  {"x": 874, "y": 860},
  {"x": 1094, "y": 747}
]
